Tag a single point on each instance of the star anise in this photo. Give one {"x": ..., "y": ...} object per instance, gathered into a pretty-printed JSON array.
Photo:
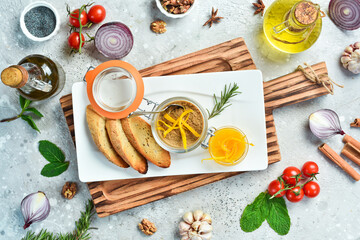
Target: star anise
[
  {"x": 213, "y": 18},
  {"x": 260, "y": 7}
]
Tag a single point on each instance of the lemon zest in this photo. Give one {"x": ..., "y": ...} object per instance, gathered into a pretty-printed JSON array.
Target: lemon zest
[{"x": 170, "y": 119}]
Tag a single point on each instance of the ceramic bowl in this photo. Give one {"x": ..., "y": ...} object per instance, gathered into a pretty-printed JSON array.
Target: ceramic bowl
[
  {"x": 170, "y": 15},
  {"x": 26, "y": 31}
]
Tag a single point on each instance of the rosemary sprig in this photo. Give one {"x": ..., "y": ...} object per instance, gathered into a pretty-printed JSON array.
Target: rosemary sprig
[
  {"x": 82, "y": 226},
  {"x": 220, "y": 106}
]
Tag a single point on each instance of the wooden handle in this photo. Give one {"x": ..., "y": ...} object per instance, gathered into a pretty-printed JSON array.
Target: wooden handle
[{"x": 293, "y": 88}]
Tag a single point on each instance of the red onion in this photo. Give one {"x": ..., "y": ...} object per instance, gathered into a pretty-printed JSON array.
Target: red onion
[
  {"x": 35, "y": 207},
  {"x": 325, "y": 123},
  {"x": 114, "y": 40},
  {"x": 345, "y": 13}
]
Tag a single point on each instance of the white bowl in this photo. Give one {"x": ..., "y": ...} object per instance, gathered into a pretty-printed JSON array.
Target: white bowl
[
  {"x": 26, "y": 31},
  {"x": 170, "y": 15}
]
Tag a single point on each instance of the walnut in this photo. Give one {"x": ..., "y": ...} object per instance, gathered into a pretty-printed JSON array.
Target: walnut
[
  {"x": 69, "y": 190},
  {"x": 147, "y": 227},
  {"x": 158, "y": 26}
]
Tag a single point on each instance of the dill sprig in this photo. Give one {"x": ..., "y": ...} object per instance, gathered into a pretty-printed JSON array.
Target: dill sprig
[
  {"x": 220, "y": 106},
  {"x": 81, "y": 228}
]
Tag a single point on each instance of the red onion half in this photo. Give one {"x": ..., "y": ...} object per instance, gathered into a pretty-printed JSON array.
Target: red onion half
[
  {"x": 35, "y": 207},
  {"x": 345, "y": 13},
  {"x": 325, "y": 123},
  {"x": 114, "y": 40}
]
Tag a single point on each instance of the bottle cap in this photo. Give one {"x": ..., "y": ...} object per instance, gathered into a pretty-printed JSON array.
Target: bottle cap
[{"x": 14, "y": 76}]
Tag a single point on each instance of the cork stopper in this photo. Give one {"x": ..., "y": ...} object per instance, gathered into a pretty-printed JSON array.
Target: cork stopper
[
  {"x": 306, "y": 13},
  {"x": 14, "y": 76}
]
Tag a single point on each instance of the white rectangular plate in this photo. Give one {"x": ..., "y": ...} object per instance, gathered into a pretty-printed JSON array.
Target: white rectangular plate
[{"x": 247, "y": 113}]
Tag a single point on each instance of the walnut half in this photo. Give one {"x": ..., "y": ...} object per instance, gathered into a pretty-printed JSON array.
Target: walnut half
[
  {"x": 69, "y": 190},
  {"x": 147, "y": 227},
  {"x": 158, "y": 26}
]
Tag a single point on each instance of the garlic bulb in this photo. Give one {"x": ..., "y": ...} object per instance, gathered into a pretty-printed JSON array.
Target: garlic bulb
[
  {"x": 351, "y": 58},
  {"x": 196, "y": 226}
]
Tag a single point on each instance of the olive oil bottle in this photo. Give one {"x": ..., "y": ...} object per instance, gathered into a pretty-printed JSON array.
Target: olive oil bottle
[
  {"x": 36, "y": 77},
  {"x": 292, "y": 26}
]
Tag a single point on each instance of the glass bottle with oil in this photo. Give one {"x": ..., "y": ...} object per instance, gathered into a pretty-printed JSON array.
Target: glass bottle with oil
[
  {"x": 292, "y": 26},
  {"x": 36, "y": 77}
]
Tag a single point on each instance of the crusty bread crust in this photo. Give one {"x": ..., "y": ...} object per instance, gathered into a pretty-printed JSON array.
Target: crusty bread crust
[
  {"x": 124, "y": 148},
  {"x": 96, "y": 124},
  {"x": 138, "y": 131}
]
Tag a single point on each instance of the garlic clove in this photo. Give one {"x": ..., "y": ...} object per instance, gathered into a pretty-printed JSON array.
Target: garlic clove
[
  {"x": 184, "y": 228},
  {"x": 205, "y": 227},
  {"x": 188, "y": 217},
  {"x": 198, "y": 214},
  {"x": 206, "y": 217},
  {"x": 185, "y": 237},
  {"x": 193, "y": 233},
  {"x": 206, "y": 236},
  {"x": 196, "y": 225},
  {"x": 195, "y": 238}
]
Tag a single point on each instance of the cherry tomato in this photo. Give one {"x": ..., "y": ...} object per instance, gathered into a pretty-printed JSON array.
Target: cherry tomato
[
  {"x": 74, "y": 40},
  {"x": 289, "y": 175},
  {"x": 295, "y": 195},
  {"x": 274, "y": 187},
  {"x": 74, "y": 16},
  {"x": 311, "y": 189},
  {"x": 310, "y": 169},
  {"x": 97, "y": 14}
]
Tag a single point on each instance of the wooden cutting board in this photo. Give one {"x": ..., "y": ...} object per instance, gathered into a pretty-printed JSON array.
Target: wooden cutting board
[{"x": 115, "y": 196}]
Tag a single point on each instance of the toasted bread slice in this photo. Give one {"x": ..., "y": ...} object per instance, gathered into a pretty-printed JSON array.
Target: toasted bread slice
[
  {"x": 124, "y": 148},
  {"x": 98, "y": 132},
  {"x": 138, "y": 131}
]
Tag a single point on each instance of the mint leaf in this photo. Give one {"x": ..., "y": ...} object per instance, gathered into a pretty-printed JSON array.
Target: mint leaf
[
  {"x": 278, "y": 217},
  {"x": 30, "y": 121},
  {"x": 54, "y": 169},
  {"x": 34, "y": 111},
  {"x": 51, "y": 152},
  {"x": 24, "y": 103},
  {"x": 255, "y": 213}
]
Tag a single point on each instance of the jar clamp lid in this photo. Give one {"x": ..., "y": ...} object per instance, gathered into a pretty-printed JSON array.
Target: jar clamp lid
[{"x": 115, "y": 89}]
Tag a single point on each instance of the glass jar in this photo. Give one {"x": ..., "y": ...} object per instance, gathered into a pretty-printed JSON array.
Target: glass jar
[{"x": 173, "y": 141}]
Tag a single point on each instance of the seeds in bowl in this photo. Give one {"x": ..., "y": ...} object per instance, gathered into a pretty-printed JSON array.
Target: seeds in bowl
[{"x": 177, "y": 6}]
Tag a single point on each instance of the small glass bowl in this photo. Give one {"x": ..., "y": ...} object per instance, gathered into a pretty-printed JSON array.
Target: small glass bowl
[
  {"x": 159, "y": 139},
  {"x": 242, "y": 157}
]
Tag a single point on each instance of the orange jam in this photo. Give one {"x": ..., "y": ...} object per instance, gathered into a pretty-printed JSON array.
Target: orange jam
[{"x": 228, "y": 146}]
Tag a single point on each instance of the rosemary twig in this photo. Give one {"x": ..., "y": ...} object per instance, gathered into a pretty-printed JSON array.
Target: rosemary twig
[
  {"x": 82, "y": 226},
  {"x": 220, "y": 106}
]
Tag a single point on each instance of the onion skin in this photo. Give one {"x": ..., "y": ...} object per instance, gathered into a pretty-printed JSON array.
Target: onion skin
[
  {"x": 114, "y": 40},
  {"x": 345, "y": 13},
  {"x": 325, "y": 123},
  {"x": 35, "y": 207}
]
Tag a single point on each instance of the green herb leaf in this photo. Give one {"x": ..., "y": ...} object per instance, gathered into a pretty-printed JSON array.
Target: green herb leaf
[
  {"x": 51, "y": 152},
  {"x": 255, "y": 213},
  {"x": 226, "y": 94},
  {"x": 54, "y": 169},
  {"x": 34, "y": 111},
  {"x": 24, "y": 103},
  {"x": 278, "y": 217},
  {"x": 30, "y": 121}
]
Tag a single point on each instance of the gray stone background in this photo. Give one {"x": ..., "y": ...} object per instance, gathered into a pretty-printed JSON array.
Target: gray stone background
[{"x": 334, "y": 214}]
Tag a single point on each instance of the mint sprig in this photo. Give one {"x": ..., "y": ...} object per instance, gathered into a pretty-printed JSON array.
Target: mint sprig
[
  {"x": 55, "y": 156},
  {"x": 24, "y": 104},
  {"x": 263, "y": 208}
]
